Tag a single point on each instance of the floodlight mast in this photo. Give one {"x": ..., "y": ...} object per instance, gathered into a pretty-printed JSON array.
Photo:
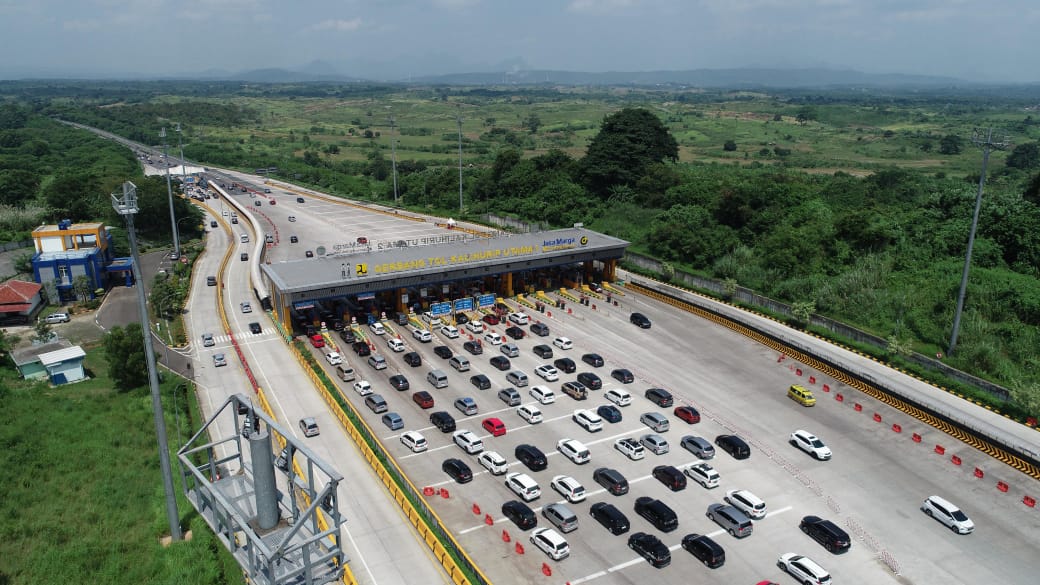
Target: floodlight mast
[
  {"x": 458, "y": 118},
  {"x": 169, "y": 194},
  {"x": 127, "y": 207},
  {"x": 393, "y": 156},
  {"x": 986, "y": 140}
]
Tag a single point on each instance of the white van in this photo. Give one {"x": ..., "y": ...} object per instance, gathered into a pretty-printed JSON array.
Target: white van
[
  {"x": 345, "y": 372},
  {"x": 948, "y": 514},
  {"x": 438, "y": 378},
  {"x": 460, "y": 363},
  {"x": 517, "y": 378},
  {"x": 244, "y": 238},
  {"x": 522, "y": 485}
]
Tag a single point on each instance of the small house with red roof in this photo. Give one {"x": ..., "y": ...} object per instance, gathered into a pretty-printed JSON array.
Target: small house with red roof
[{"x": 20, "y": 302}]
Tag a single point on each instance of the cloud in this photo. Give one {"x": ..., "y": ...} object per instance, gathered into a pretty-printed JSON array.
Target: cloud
[
  {"x": 455, "y": 4},
  {"x": 599, "y": 5},
  {"x": 82, "y": 25},
  {"x": 338, "y": 25}
]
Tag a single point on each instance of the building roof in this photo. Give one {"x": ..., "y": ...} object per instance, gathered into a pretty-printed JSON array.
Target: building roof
[
  {"x": 14, "y": 308},
  {"x": 28, "y": 355},
  {"x": 62, "y": 355},
  {"x": 18, "y": 291},
  {"x": 75, "y": 227}
]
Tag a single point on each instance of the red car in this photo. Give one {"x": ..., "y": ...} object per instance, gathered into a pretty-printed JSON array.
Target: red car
[
  {"x": 423, "y": 398},
  {"x": 688, "y": 414},
  {"x": 317, "y": 340},
  {"x": 495, "y": 426},
  {"x": 491, "y": 319}
]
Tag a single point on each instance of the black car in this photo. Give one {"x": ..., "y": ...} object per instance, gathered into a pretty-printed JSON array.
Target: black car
[
  {"x": 531, "y": 456},
  {"x": 671, "y": 477},
  {"x": 299, "y": 199},
  {"x": 399, "y": 382},
  {"x": 520, "y": 514},
  {"x": 480, "y": 381},
  {"x": 733, "y": 445},
  {"x": 612, "y": 480},
  {"x": 515, "y": 332},
  {"x": 254, "y": 327},
  {"x": 622, "y": 375},
  {"x": 540, "y": 329},
  {"x": 543, "y": 351},
  {"x": 609, "y": 413},
  {"x": 660, "y": 397},
  {"x": 827, "y": 533},
  {"x": 501, "y": 362},
  {"x": 651, "y": 548},
  {"x": 640, "y": 320},
  {"x": 294, "y": 240},
  {"x": 610, "y": 517},
  {"x": 461, "y": 319},
  {"x": 413, "y": 359},
  {"x": 347, "y": 336},
  {"x": 458, "y": 470},
  {"x": 565, "y": 365},
  {"x": 593, "y": 359},
  {"x": 361, "y": 348},
  {"x": 590, "y": 380},
  {"x": 443, "y": 421},
  {"x": 705, "y": 550},
  {"x": 657, "y": 513},
  {"x": 474, "y": 347},
  {"x": 443, "y": 352},
  {"x": 213, "y": 223}
]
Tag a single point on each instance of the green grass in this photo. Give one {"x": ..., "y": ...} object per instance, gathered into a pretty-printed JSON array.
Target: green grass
[{"x": 82, "y": 495}]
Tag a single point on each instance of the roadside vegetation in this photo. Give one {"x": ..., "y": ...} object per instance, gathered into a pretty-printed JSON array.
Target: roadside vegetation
[{"x": 855, "y": 203}]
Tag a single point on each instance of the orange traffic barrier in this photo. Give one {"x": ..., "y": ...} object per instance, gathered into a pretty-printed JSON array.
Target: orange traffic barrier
[
  {"x": 979, "y": 473},
  {"x": 476, "y": 509},
  {"x": 593, "y": 307},
  {"x": 812, "y": 379},
  {"x": 519, "y": 548},
  {"x": 549, "y": 314},
  {"x": 955, "y": 460},
  {"x": 877, "y": 417},
  {"x": 781, "y": 358},
  {"x": 858, "y": 407},
  {"x": 826, "y": 388},
  {"x": 896, "y": 428},
  {"x": 546, "y": 569},
  {"x": 916, "y": 438},
  {"x": 445, "y": 494},
  {"x": 940, "y": 450},
  {"x": 1029, "y": 501},
  {"x": 505, "y": 536},
  {"x": 798, "y": 372},
  {"x": 428, "y": 491},
  {"x": 488, "y": 519},
  {"x": 1002, "y": 486},
  {"x": 839, "y": 397}
]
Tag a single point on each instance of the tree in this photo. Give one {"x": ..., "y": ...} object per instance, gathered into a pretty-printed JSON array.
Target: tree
[
  {"x": 803, "y": 311},
  {"x": 82, "y": 287},
  {"x": 805, "y": 114},
  {"x": 42, "y": 332},
  {"x": 7, "y": 342},
  {"x": 627, "y": 143},
  {"x": 951, "y": 144},
  {"x": 1024, "y": 156},
  {"x": 532, "y": 122},
  {"x": 124, "y": 350},
  {"x": 729, "y": 146}
]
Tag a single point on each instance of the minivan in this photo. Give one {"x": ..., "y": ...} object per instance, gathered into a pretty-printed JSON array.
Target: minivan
[
  {"x": 950, "y": 515},
  {"x": 561, "y": 517},
  {"x": 655, "y": 421},
  {"x": 376, "y": 403},
  {"x": 671, "y": 477},
  {"x": 705, "y": 550},
  {"x": 801, "y": 395},
  {"x": 438, "y": 378},
  {"x": 517, "y": 378},
  {"x": 393, "y": 421},
  {"x": 699, "y": 446},
  {"x": 522, "y": 485},
  {"x": 730, "y": 519},
  {"x": 733, "y": 445},
  {"x": 460, "y": 363},
  {"x": 610, "y": 517},
  {"x": 244, "y": 238},
  {"x": 345, "y": 372},
  {"x": 612, "y": 480},
  {"x": 826, "y": 533},
  {"x": 658, "y": 513}
]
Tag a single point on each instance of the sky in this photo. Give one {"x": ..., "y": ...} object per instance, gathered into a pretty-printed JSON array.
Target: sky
[{"x": 973, "y": 40}]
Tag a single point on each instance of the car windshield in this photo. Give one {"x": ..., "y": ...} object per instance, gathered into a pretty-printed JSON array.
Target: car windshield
[
  {"x": 817, "y": 443},
  {"x": 959, "y": 516}
]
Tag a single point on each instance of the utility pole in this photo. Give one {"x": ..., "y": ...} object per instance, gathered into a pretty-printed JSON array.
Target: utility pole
[
  {"x": 458, "y": 118},
  {"x": 393, "y": 156},
  {"x": 169, "y": 194},
  {"x": 127, "y": 207},
  {"x": 180, "y": 145},
  {"x": 984, "y": 139}
]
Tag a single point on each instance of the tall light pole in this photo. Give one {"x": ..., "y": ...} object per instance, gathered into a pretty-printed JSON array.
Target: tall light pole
[
  {"x": 986, "y": 140},
  {"x": 180, "y": 145},
  {"x": 127, "y": 207},
  {"x": 393, "y": 156},
  {"x": 169, "y": 194},
  {"x": 458, "y": 118}
]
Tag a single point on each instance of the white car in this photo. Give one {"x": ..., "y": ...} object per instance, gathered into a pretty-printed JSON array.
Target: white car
[
  {"x": 395, "y": 344},
  {"x": 588, "y": 420},
  {"x": 519, "y": 318},
  {"x": 422, "y": 335},
  {"x": 246, "y": 307},
  {"x": 542, "y": 394},
  {"x": 803, "y": 569},
  {"x": 551, "y": 543},
  {"x": 362, "y": 387},
  {"x": 493, "y": 462},
  {"x": 530, "y": 413},
  {"x": 522, "y": 485},
  {"x": 618, "y": 396},
  {"x": 377, "y": 328},
  {"x": 563, "y": 343},
  {"x": 746, "y": 502},
  {"x": 703, "y": 474},
  {"x": 414, "y": 441},
  {"x": 547, "y": 373},
  {"x": 574, "y": 450},
  {"x": 949, "y": 514},
  {"x": 568, "y": 487},
  {"x": 334, "y": 358},
  {"x": 631, "y": 448},
  {"x": 493, "y": 338},
  {"x": 468, "y": 441},
  {"x": 429, "y": 318},
  {"x": 811, "y": 444},
  {"x": 475, "y": 326},
  {"x": 449, "y": 331}
]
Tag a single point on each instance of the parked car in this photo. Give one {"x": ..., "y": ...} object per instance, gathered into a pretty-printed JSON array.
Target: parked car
[
  {"x": 551, "y": 543},
  {"x": 654, "y": 443},
  {"x": 565, "y": 365},
  {"x": 529, "y": 413},
  {"x": 443, "y": 421},
  {"x": 519, "y": 513},
  {"x": 746, "y": 502},
  {"x": 610, "y": 517},
  {"x": 309, "y": 427},
  {"x": 688, "y": 414},
  {"x": 705, "y": 550},
  {"x": 423, "y": 398},
  {"x": 699, "y": 446},
  {"x": 622, "y": 375},
  {"x": 415, "y": 441},
  {"x": 480, "y": 381},
  {"x": 630, "y": 448},
  {"x": 703, "y": 474},
  {"x": 543, "y": 351},
  {"x": 590, "y": 380},
  {"x": 655, "y": 421},
  {"x": 501, "y": 363},
  {"x": 618, "y": 396},
  {"x": 733, "y": 445},
  {"x": 730, "y": 519},
  {"x": 827, "y": 533},
  {"x": 811, "y": 444},
  {"x": 657, "y": 513},
  {"x": 547, "y": 373},
  {"x": 803, "y": 569},
  {"x": 443, "y": 352},
  {"x": 542, "y": 394},
  {"x": 568, "y": 487},
  {"x": 587, "y": 420},
  {"x": 510, "y": 396},
  {"x": 468, "y": 441},
  {"x": 609, "y": 413},
  {"x": 563, "y": 343},
  {"x": 640, "y": 320},
  {"x": 593, "y": 359},
  {"x": 670, "y": 476},
  {"x": 650, "y": 548},
  {"x": 494, "y": 426},
  {"x": 531, "y": 456},
  {"x": 612, "y": 480},
  {"x": 660, "y": 397},
  {"x": 457, "y": 470},
  {"x": 466, "y": 405}
]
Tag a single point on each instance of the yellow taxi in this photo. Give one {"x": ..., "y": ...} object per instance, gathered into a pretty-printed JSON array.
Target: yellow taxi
[{"x": 801, "y": 395}]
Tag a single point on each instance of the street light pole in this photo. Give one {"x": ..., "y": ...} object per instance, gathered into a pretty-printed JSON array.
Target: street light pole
[
  {"x": 180, "y": 145},
  {"x": 458, "y": 118},
  {"x": 393, "y": 156},
  {"x": 987, "y": 143},
  {"x": 127, "y": 207},
  {"x": 169, "y": 194}
]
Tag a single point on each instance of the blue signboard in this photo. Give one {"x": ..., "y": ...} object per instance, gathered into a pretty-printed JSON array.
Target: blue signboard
[
  {"x": 438, "y": 309},
  {"x": 464, "y": 305},
  {"x": 486, "y": 300}
]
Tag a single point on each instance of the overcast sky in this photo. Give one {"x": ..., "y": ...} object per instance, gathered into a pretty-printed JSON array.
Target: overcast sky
[{"x": 976, "y": 40}]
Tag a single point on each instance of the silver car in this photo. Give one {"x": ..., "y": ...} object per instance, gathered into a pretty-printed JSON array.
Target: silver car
[{"x": 219, "y": 360}]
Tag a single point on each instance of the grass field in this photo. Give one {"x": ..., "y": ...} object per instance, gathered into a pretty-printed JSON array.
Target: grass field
[{"x": 82, "y": 496}]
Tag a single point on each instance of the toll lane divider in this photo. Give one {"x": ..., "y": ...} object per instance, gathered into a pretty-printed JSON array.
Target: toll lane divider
[
  {"x": 836, "y": 372},
  {"x": 453, "y": 558}
]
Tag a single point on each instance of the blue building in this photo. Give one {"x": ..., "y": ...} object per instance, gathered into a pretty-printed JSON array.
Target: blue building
[{"x": 66, "y": 251}]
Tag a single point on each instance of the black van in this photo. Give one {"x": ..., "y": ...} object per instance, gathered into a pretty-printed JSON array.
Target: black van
[
  {"x": 520, "y": 514},
  {"x": 612, "y": 480},
  {"x": 671, "y": 477},
  {"x": 657, "y": 513},
  {"x": 705, "y": 550},
  {"x": 733, "y": 445},
  {"x": 826, "y": 533},
  {"x": 610, "y": 517}
]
